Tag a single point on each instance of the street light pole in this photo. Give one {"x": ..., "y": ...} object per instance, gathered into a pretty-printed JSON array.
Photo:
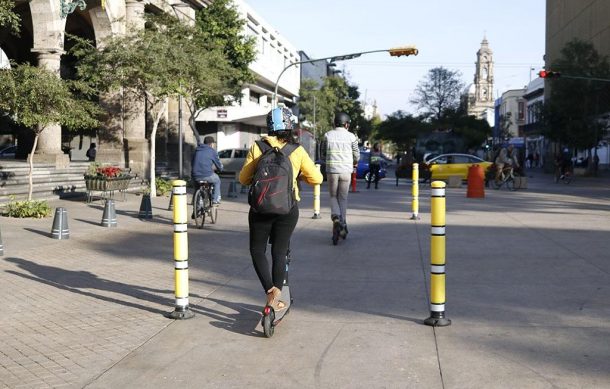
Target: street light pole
[{"x": 394, "y": 52}]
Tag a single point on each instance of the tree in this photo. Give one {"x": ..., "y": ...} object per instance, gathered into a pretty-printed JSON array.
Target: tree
[
  {"x": 438, "y": 92},
  {"x": 35, "y": 97},
  {"x": 9, "y": 18},
  {"x": 403, "y": 129},
  {"x": 335, "y": 95},
  {"x": 222, "y": 26},
  {"x": 166, "y": 59},
  {"x": 571, "y": 116}
]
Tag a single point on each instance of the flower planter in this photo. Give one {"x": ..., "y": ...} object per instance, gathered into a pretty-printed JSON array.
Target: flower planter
[{"x": 107, "y": 184}]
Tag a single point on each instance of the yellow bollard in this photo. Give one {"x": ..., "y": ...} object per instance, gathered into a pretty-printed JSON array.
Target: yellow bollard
[
  {"x": 437, "y": 256},
  {"x": 316, "y": 198},
  {"x": 181, "y": 251},
  {"x": 415, "y": 192}
]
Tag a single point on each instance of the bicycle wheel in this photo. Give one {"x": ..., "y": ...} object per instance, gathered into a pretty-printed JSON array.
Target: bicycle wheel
[
  {"x": 199, "y": 208},
  {"x": 496, "y": 184},
  {"x": 567, "y": 178},
  {"x": 213, "y": 211},
  {"x": 510, "y": 183}
]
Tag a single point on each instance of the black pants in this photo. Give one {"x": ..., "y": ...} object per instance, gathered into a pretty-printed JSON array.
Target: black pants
[
  {"x": 277, "y": 229},
  {"x": 373, "y": 174}
]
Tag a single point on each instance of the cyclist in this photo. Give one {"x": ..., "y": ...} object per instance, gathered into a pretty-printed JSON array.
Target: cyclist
[
  {"x": 563, "y": 163},
  {"x": 270, "y": 227},
  {"x": 340, "y": 149},
  {"x": 205, "y": 161}
]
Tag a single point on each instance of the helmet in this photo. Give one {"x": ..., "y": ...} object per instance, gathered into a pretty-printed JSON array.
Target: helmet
[
  {"x": 341, "y": 118},
  {"x": 280, "y": 119}
]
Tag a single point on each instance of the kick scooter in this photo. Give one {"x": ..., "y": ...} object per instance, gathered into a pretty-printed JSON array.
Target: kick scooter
[{"x": 270, "y": 317}]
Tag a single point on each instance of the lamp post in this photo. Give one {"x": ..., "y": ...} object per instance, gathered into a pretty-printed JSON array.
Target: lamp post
[{"x": 394, "y": 52}]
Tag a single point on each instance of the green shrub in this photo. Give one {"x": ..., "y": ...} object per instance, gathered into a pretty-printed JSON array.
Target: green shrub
[
  {"x": 163, "y": 186},
  {"x": 22, "y": 209}
]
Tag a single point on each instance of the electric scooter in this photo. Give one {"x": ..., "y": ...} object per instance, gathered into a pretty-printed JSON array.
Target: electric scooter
[{"x": 270, "y": 317}]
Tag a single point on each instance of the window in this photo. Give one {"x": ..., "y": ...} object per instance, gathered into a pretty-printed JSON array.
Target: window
[
  {"x": 224, "y": 154},
  {"x": 241, "y": 153},
  {"x": 521, "y": 111},
  {"x": 254, "y": 96}
]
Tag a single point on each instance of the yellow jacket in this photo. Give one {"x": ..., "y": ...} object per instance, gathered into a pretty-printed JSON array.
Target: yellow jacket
[{"x": 301, "y": 163}]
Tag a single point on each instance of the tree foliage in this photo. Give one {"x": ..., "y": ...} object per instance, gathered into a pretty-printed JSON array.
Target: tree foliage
[
  {"x": 403, "y": 129},
  {"x": 166, "y": 59},
  {"x": 438, "y": 93},
  {"x": 222, "y": 26},
  {"x": 335, "y": 95},
  {"x": 36, "y": 98},
  {"x": 571, "y": 116},
  {"x": 8, "y": 18}
]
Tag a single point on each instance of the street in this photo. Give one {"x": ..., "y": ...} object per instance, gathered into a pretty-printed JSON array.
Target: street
[{"x": 528, "y": 294}]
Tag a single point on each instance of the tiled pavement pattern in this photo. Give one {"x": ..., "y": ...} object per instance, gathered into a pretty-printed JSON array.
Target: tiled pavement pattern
[{"x": 68, "y": 306}]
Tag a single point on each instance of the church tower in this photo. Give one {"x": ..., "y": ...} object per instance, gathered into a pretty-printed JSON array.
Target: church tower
[{"x": 480, "y": 99}]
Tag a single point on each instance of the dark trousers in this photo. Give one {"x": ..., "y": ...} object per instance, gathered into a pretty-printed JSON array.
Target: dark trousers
[
  {"x": 277, "y": 229},
  {"x": 373, "y": 174}
]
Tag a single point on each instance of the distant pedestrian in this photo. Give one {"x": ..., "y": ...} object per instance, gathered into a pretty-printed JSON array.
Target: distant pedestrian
[
  {"x": 340, "y": 150},
  {"x": 374, "y": 166},
  {"x": 91, "y": 152}
]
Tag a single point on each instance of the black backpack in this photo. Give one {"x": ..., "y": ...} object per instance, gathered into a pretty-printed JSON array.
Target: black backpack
[{"x": 272, "y": 189}]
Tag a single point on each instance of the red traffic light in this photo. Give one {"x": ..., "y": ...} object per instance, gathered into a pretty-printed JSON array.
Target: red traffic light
[{"x": 548, "y": 74}]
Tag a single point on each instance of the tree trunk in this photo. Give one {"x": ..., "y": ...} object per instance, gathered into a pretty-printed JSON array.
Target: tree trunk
[
  {"x": 31, "y": 172},
  {"x": 153, "y": 147},
  {"x": 192, "y": 122}
]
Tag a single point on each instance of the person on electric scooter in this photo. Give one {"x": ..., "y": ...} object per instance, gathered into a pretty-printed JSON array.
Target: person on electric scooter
[
  {"x": 340, "y": 150},
  {"x": 277, "y": 229}
]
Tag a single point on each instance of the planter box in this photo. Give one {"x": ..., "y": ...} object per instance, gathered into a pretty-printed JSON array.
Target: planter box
[{"x": 107, "y": 184}]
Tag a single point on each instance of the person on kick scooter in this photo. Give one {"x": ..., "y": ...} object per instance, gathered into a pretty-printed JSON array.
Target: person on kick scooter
[
  {"x": 275, "y": 224},
  {"x": 340, "y": 150}
]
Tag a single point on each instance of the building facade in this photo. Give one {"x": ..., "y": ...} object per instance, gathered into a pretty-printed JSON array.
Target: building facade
[
  {"x": 479, "y": 95},
  {"x": 122, "y": 139}
]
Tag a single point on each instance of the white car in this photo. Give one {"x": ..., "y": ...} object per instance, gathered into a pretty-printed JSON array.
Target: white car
[{"x": 232, "y": 160}]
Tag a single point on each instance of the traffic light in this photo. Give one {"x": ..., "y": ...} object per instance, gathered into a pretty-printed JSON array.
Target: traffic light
[
  {"x": 548, "y": 74},
  {"x": 407, "y": 50}
]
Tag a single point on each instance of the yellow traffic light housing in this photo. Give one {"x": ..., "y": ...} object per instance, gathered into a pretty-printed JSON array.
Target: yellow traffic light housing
[{"x": 406, "y": 50}]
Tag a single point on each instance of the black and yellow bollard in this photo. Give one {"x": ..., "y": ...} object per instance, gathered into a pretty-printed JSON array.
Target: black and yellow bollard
[
  {"x": 181, "y": 262},
  {"x": 316, "y": 198},
  {"x": 437, "y": 256},
  {"x": 415, "y": 192}
]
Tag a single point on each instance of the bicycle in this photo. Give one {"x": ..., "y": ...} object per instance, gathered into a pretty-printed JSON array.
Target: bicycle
[
  {"x": 202, "y": 204},
  {"x": 507, "y": 177}
]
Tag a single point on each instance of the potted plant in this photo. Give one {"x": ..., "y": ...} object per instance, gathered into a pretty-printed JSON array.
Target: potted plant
[{"x": 106, "y": 178}]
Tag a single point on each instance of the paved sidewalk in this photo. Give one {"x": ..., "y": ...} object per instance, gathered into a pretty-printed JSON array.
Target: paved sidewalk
[{"x": 528, "y": 292}]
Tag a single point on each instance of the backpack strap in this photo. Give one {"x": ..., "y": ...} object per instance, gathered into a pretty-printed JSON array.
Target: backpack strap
[{"x": 286, "y": 150}]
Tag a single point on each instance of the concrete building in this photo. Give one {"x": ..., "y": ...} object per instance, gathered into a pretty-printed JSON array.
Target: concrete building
[
  {"x": 511, "y": 114},
  {"x": 535, "y": 143},
  {"x": 587, "y": 20}
]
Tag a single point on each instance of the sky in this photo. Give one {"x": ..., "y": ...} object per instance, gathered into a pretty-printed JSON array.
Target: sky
[{"x": 447, "y": 33}]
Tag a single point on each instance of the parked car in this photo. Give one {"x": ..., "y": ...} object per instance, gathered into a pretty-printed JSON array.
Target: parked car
[
  {"x": 8, "y": 152},
  {"x": 362, "y": 170},
  {"x": 454, "y": 164},
  {"x": 232, "y": 159}
]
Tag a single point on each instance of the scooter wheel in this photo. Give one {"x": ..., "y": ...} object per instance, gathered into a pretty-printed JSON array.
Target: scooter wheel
[{"x": 268, "y": 328}]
